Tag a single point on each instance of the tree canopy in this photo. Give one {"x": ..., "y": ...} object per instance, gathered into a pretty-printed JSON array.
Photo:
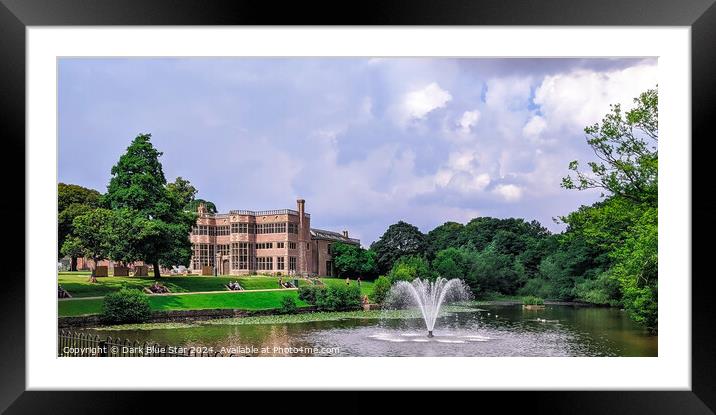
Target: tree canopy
[
  {"x": 353, "y": 261},
  {"x": 140, "y": 191},
  {"x": 400, "y": 239},
  {"x": 72, "y": 201}
]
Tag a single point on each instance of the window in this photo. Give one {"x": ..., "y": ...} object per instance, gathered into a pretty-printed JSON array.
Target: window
[
  {"x": 243, "y": 255},
  {"x": 280, "y": 263},
  {"x": 222, "y": 249},
  {"x": 222, "y": 230},
  {"x": 280, "y": 245},
  {"x": 234, "y": 255},
  {"x": 264, "y": 245},
  {"x": 292, "y": 245},
  {"x": 292, "y": 263},
  {"x": 235, "y": 227},
  {"x": 292, "y": 228},
  {"x": 203, "y": 255},
  {"x": 308, "y": 246},
  {"x": 264, "y": 263},
  {"x": 277, "y": 227},
  {"x": 203, "y": 230}
]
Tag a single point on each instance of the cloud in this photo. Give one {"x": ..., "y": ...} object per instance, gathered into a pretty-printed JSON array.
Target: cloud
[
  {"x": 468, "y": 120},
  {"x": 509, "y": 192},
  {"x": 534, "y": 127},
  {"x": 417, "y": 104},
  {"x": 486, "y": 136},
  {"x": 577, "y": 99}
]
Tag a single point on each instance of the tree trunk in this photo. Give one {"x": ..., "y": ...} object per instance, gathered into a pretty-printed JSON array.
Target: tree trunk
[
  {"x": 157, "y": 274},
  {"x": 73, "y": 263},
  {"x": 93, "y": 275}
]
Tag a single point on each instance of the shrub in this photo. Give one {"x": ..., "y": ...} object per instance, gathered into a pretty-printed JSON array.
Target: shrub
[
  {"x": 339, "y": 298},
  {"x": 408, "y": 268},
  {"x": 381, "y": 288},
  {"x": 537, "y": 287},
  {"x": 288, "y": 305},
  {"x": 529, "y": 300},
  {"x": 125, "y": 306},
  {"x": 308, "y": 293}
]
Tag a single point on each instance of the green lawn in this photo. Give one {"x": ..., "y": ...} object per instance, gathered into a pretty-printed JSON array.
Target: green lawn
[
  {"x": 78, "y": 286},
  {"x": 244, "y": 301},
  {"x": 366, "y": 287}
]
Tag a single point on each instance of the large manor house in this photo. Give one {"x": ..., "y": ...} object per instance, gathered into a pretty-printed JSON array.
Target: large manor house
[
  {"x": 264, "y": 242},
  {"x": 277, "y": 242}
]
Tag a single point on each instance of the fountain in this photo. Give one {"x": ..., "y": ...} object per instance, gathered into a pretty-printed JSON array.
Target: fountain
[{"x": 428, "y": 296}]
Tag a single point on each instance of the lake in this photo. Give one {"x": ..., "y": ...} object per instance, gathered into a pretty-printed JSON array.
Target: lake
[{"x": 494, "y": 330}]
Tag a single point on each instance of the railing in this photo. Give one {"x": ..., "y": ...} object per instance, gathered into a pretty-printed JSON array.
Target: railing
[
  {"x": 266, "y": 212},
  {"x": 76, "y": 344}
]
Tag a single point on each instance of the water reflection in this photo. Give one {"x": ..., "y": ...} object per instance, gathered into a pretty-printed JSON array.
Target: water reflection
[{"x": 490, "y": 331}]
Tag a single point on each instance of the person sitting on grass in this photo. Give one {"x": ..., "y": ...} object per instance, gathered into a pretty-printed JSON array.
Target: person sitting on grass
[{"x": 280, "y": 282}]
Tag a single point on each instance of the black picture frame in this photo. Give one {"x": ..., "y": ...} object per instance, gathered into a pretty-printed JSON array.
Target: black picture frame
[{"x": 16, "y": 15}]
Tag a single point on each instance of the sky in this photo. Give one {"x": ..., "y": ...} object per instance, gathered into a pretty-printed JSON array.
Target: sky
[{"x": 365, "y": 141}]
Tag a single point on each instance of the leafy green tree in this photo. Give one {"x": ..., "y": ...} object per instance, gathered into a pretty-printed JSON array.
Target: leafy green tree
[
  {"x": 636, "y": 270},
  {"x": 183, "y": 190},
  {"x": 194, "y": 205},
  {"x": 69, "y": 194},
  {"x": 624, "y": 224},
  {"x": 92, "y": 236},
  {"x": 138, "y": 184},
  {"x": 400, "y": 239},
  {"x": 127, "y": 228},
  {"x": 410, "y": 267},
  {"x": 353, "y": 261},
  {"x": 73, "y": 201},
  {"x": 493, "y": 272},
  {"x": 453, "y": 263},
  {"x": 447, "y": 235},
  {"x": 625, "y": 144}
]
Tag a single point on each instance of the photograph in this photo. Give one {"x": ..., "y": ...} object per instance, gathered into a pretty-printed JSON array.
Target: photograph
[{"x": 366, "y": 206}]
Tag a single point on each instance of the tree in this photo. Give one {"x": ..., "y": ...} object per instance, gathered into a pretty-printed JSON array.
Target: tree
[
  {"x": 493, "y": 272},
  {"x": 625, "y": 145},
  {"x": 447, "y": 235},
  {"x": 399, "y": 240},
  {"x": 72, "y": 201},
  {"x": 183, "y": 190},
  {"x": 193, "y": 206},
  {"x": 452, "y": 263},
  {"x": 91, "y": 237},
  {"x": 410, "y": 267},
  {"x": 623, "y": 225},
  {"x": 353, "y": 261},
  {"x": 68, "y": 194},
  {"x": 138, "y": 185}
]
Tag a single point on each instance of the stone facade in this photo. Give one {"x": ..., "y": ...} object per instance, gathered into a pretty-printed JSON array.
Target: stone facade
[{"x": 278, "y": 242}]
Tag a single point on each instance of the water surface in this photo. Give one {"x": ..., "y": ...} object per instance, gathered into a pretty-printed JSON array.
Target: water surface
[{"x": 556, "y": 330}]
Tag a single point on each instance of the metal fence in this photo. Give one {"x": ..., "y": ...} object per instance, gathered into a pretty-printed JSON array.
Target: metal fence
[{"x": 77, "y": 344}]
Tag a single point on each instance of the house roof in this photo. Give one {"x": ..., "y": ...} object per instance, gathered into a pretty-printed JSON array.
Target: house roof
[{"x": 332, "y": 236}]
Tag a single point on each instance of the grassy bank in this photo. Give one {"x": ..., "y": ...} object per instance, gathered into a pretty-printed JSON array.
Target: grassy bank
[
  {"x": 291, "y": 318},
  {"x": 77, "y": 285},
  {"x": 262, "y": 300}
]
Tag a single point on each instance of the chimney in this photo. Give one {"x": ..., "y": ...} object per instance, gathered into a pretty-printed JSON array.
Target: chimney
[
  {"x": 345, "y": 234},
  {"x": 301, "y": 208}
]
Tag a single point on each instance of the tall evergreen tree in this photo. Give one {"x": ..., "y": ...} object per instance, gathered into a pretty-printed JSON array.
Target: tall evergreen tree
[{"x": 138, "y": 185}]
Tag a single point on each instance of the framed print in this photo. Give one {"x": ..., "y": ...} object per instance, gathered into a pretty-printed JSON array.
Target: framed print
[{"x": 408, "y": 197}]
